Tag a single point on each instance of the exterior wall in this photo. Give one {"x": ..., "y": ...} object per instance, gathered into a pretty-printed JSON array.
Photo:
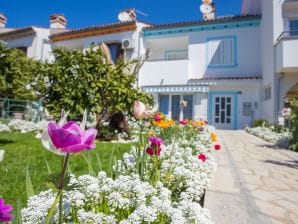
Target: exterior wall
[
  {"x": 267, "y": 52},
  {"x": 248, "y": 57},
  {"x": 245, "y": 92},
  {"x": 38, "y": 46}
]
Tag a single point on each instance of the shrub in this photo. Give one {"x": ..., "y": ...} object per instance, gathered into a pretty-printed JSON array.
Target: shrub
[
  {"x": 294, "y": 125},
  {"x": 260, "y": 123}
]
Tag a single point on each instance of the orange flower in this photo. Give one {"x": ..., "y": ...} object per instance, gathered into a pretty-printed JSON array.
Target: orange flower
[{"x": 213, "y": 137}]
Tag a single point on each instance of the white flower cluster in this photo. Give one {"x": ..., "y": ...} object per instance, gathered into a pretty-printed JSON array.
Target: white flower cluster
[
  {"x": 27, "y": 126},
  {"x": 180, "y": 168},
  {"x": 4, "y": 128},
  {"x": 281, "y": 139},
  {"x": 125, "y": 200}
]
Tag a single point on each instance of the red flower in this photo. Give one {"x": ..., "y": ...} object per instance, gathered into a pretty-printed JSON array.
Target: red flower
[
  {"x": 153, "y": 151},
  {"x": 217, "y": 147},
  {"x": 202, "y": 157},
  {"x": 206, "y": 122},
  {"x": 183, "y": 122},
  {"x": 157, "y": 117}
]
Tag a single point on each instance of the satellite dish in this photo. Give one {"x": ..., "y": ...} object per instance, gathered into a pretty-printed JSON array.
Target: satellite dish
[
  {"x": 123, "y": 16},
  {"x": 207, "y": 1},
  {"x": 206, "y": 8}
]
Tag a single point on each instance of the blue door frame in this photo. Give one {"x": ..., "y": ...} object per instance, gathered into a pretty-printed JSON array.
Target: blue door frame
[{"x": 233, "y": 94}]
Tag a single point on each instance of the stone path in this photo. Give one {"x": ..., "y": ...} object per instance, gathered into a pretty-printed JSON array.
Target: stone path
[{"x": 256, "y": 183}]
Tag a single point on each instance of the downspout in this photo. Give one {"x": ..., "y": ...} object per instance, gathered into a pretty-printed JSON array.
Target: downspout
[{"x": 139, "y": 54}]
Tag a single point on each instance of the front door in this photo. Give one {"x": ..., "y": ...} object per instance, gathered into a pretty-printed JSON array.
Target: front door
[{"x": 222, "y": 116}]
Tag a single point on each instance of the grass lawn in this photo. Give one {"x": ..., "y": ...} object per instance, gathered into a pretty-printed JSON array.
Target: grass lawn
[{"x": 24, "y": 149}]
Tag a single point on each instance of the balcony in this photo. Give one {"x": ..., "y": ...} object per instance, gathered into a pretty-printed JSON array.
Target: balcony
[
  {"x": 286, "y": 52},
  {"x": 164, "y": 72}
]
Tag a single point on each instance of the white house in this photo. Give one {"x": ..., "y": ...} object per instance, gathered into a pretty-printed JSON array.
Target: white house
[
  {"x": 214, "y": 65},
  {"x": 33, "y": 40},
  {"x": 230, "y": 70}
]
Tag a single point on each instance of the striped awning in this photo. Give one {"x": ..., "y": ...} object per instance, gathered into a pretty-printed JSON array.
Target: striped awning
[{"x": 176, "y": 89}]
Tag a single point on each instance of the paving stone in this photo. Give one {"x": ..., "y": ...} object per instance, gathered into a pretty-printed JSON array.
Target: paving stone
[
  {"x": 265, "y": 195},
  {"x": 270, "y": 209},
  {"x": 262, "y": 182},
  {"x": 293, "y": 207}
]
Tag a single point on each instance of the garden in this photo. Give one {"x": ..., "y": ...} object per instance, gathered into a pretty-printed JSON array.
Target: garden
[
  {"x": 104, "y": 156},
  {"x": 283, "y": 134}
]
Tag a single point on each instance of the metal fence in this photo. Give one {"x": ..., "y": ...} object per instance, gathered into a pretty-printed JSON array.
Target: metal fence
[{"x": 22, "y": 109}]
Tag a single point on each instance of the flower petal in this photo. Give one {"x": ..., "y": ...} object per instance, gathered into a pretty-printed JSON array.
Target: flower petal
[
  {"x": 88, "y": 136},
  {"x": 62, "y": 138},
  {"x": 73, "y": 127},
  {"x": 76, "y": 148}
]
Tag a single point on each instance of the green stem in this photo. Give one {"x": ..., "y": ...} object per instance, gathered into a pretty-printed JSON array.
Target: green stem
[
  {"x": 52, "y": 209},
  {"x": 59, "y": 195},
  {"x": 61, "y": 185}
]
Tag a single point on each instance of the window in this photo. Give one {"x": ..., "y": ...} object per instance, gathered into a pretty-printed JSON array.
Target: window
[
  {"x": 115, "y": 50},
  {"x": 294, "y": 27},
  {"x": 176, "y": 55},
  {"x": 267, "y": 92},
  {"x": 221, "y": 52}
]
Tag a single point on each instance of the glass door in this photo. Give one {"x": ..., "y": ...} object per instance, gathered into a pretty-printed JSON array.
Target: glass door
[
  {"x": 222, "y": 115},
  {"x": 188, "y": 110}
]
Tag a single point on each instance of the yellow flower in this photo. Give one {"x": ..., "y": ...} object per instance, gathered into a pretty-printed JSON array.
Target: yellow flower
[
  {"x": 151, "y": 133},
  {"x": 213, "y": 137}
]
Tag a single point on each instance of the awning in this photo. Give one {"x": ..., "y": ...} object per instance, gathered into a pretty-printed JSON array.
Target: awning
[{"x": 176, "y": 89}]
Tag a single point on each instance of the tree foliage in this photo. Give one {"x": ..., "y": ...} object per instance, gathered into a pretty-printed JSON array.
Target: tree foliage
[
  {"x": 18, "y": 74},
  {"x": 80, "y": 80}
]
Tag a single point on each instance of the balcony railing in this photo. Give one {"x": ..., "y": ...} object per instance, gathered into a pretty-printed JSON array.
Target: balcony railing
[{"x": 292, "y": 34}]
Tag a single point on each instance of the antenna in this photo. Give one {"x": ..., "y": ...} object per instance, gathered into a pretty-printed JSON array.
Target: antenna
[
  {"x": 123, "y": 16},
  {"x": 142, "y": 13},
  {"x": 205, "y": 8},
  {"x": 208, "y": 9}
]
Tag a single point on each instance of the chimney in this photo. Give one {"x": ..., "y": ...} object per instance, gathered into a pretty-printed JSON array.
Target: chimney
[
  {"x": 3, "y": 20},
  {"x": 57, "y": 21},
  {"x": 211, "y": 15}
]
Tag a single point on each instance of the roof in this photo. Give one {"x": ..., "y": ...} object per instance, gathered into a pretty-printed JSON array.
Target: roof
[
  {"x": 228, "y": 78},
  {"x": 217, "y": 20},
  {"x": 24, "y": 30},
  {"x": 14, "y": 32},
  {"x": 94, "y": 30}
]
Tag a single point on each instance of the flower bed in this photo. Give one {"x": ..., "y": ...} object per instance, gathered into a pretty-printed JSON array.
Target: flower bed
[
  {"x": 161, "y": 180},
  {"x": 280, "y": 139}
]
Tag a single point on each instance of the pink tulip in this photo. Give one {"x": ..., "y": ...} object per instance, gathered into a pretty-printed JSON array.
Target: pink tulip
[
  {"x": 70, "y": 138},
  {"x": 139, "y": 110}
]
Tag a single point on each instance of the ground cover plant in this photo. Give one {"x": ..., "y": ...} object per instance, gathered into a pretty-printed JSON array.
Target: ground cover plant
[
  {"x": 25, "y": 152},
  {"x": 160, "y": 179}
]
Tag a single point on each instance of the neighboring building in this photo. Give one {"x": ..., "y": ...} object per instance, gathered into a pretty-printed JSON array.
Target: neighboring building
[
  {"x": 230, "y": 70},
  {"x": 32, "y": 40},
  {"x": 279, "y": 50}
]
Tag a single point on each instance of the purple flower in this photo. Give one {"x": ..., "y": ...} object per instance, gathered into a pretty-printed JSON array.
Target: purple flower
[
  {"x": 5, "y": 209},
  {"x": 155, "y": 140},
  {"x": 154, "y": 148},
  {"x": 70, "y": 138}
]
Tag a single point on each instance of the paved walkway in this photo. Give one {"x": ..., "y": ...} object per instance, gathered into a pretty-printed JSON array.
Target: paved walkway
[{"x": 255, "y": 183}]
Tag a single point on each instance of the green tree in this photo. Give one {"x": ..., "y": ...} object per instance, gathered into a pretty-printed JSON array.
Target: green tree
[
  {"x": 18, "y": 74},
  {"x": 80, "y": 80}
]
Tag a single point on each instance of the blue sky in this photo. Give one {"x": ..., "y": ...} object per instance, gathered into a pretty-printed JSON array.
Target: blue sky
[{"x": 91, "y": 12}]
